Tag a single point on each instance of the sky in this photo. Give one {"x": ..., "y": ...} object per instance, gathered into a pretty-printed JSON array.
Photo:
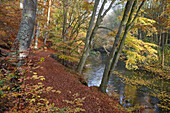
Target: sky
[{"x": 107, "y": 5}]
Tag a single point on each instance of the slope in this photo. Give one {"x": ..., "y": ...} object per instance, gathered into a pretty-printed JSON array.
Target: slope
[{"x": 61, "y": 79}]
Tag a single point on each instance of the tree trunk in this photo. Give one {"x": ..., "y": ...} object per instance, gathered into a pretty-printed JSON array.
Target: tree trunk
[
  {"x": 113, "y": 58},
  {"x": 163, "y": 49},
  {"x": 64, "y": 19},
  {"x": 166, "y": 41},
  {"x": 105, "y": 78},
  {"x": 24, "y": 36},
  {"x": 89, "y": 40},
  {"x": 64, "y": 32},
  {"x": 160, "y": 37},
  {"x": 37, "y": 35},
  {"x": 139, "y": 34},
  {"x": 86, "y": 48},
  {"x": 48, "y": 21},
  {"x": 156, "y": 38}
]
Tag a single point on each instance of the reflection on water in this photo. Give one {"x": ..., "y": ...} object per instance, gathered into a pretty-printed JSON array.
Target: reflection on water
[{"x": 129, "y": 95}]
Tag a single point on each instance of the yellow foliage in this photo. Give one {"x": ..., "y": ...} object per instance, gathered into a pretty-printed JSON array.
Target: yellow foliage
[
  {"x": 145, "y": 24},
  {"x": 76, "y": 102},
  {"x": 68, "y": 58},
  {"x": 138, "y": 52}
]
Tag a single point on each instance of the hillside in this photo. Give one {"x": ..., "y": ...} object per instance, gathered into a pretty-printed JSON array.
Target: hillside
[
  {"x": 10, "y": 17},
  {"x": 61, "y": 79},
  {"x": 70, "y": 91}
]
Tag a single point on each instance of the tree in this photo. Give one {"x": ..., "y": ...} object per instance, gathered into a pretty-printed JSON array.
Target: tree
[
  {"x": 37, "y": 35},
  {"x": 48, "y": 21},
  {"x": 119, "y": 42},
  {"x": 42, "y": 21},
  {"x": 92, "y": 31},
  {"x": 157, "y": 10},
  {"x": 67, "y": 28},
  {"x": 64, "y": 32},
  {"x": 22, "y": 43}
]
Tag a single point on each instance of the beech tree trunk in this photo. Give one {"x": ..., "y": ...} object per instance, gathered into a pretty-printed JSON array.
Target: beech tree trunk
[
  {"x": 105, "y": 78},
  {"x": 48, "y": 21},
  {"x": 22, "y": 43},
  {"x": 86, "y": 47},
  {"x": 92, "y": 32},
  {"x": 163, "y": 49},
  {"x": 37, "y": 35},
  {"x": 113, "y": 56},
  {"x": 128, "y": 25},
  {"x": 160, "y": 38}
]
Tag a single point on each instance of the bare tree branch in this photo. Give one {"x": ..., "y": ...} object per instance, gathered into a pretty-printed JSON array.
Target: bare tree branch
[{"x": 102, "y": 27}]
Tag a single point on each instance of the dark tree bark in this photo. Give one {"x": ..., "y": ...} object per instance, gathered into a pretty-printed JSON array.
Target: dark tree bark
[
  {"x": 64, "y": 19},
  {"x": 48, "y": 21},
  {"x": 92, "y": 31},
  {"x": 86, "y": 48},
  {"x": 37, "y": 35},
  {"x": 118, "y": 46},
  {"x": 166, "y": 40},
  {"x": 105, "y": 78}
]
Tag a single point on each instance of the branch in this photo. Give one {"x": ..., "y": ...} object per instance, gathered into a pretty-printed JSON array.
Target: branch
[
  {"x": 106, "y": 50},
  {"x": 110, "y": 6},
  {"x": 102, "y": 27},
  {"x": 71, "y": 23},
  {"x": 75, "y": 28},
  {"x": 75, "y": 47},
  {"x": 98, "y": 21},
  {"x": 76, "y": 34},
  {"x": 71, "y": 16},
  {"x": 131, "y": 13},
  {"x": 137, "y": 13}
]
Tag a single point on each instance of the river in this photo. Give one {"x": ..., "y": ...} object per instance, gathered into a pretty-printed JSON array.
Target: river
[{"x": 129, "y": 95}]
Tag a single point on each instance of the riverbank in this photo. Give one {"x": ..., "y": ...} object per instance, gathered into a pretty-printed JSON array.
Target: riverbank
[
  {"x": 73, "y": 93},
  {"x": 134, "y": 89}
]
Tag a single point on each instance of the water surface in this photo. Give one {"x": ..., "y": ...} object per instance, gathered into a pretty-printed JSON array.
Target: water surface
[{"x": 130, "y": 94}]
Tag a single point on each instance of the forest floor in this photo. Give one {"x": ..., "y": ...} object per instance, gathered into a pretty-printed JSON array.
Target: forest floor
[
  {"x": 73, "y": 93},
  {"x": 66, "y": 81}
]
